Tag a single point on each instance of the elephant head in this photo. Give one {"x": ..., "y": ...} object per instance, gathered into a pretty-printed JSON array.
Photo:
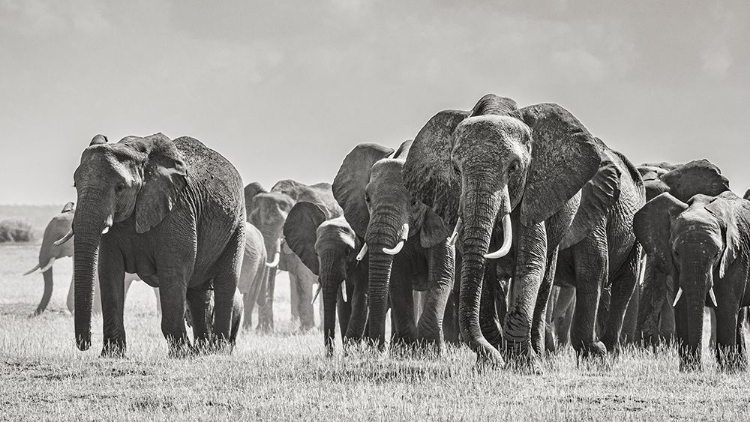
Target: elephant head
[
  {"x": 268, "y": 212},
  {"x": 137, "y": 182},
  {"x": 484, "y": 164},
  {"x": 328, "y": 247},
  {"x": 370, "y": 188},
  {"x": 683, "y": 180},
  {"x": 697, "y": 243}
]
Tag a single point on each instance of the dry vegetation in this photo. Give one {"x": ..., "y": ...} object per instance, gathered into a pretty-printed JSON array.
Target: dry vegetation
[
  {"x": 16, "y": 231},
  {"x": 286, "y": 376}
]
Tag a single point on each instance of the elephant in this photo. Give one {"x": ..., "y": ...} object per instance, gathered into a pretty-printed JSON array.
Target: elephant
[
  {"x": 536, "y": 172},
  {"x": 49, "y": 253},
  {"x": 171, "y": 211},
  {"x": 253, "y": 282},
  {"x": 329, "y": 247},
  {"x": 268, "y": 211},
  {"x": 704, "y": 244},
  {"x": 406, "y": 242},
  {"x": 651, "y": 316}
]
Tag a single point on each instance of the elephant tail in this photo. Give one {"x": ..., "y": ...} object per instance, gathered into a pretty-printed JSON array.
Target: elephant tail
[{"x": 31, "y": 270}]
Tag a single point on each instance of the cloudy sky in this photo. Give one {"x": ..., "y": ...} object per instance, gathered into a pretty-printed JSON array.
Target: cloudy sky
[{"x": 285, "y": 89}]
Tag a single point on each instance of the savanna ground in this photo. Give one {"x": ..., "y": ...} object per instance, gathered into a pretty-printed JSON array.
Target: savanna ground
[{"x": 286, "y": 375}]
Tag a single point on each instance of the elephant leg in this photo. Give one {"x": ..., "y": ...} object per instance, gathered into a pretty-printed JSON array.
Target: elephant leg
[
  {"x": 199, "y": 303},
  {"x": 492, "y": 298},
  {"x": 629, "y": 332},
  {"x": 305, "y": 307},
  {"x": 111, "y": 277},
  {"x": 712, "y": 318},
  {"x": 48, "y": 285},
  {"x": 666, "y": 316},
  {"x": 294, "y": 299},
  {"x": 265, "y": 303},
  {"x": 344, "y": 311},
  {"x": 404, "y": 329},
  {"x": 70, "y": 301},
  {"x": 238, "y": 308},
  {"x": 538, "y": 330},
  {"x": 433, "y": 301},
  {"x": 173, "y": 290},
  {"x": 249, "y": 305},
  {"x": 590, "y": 257},
  {"x": 563, "y": 324},
  {"x": 225, "y": 286},
  {"x": 356, "y": 330},
  {"x": 450, "y": 318},
  {"x": 623, "y": 284},
  {"x": 730, "y": 352}
]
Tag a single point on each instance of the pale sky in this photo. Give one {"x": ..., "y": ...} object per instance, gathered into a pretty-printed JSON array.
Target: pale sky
[{"x": 285, "y": 89}]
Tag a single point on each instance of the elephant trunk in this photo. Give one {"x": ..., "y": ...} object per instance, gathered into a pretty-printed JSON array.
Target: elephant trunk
[
  {"x": 330, "y": 292},
  {"x": 695, "y": 284},
  {"x": 88, "y": 228},
  {"x": 480, "y": 209},
  {"x": 380, "y": 276}
]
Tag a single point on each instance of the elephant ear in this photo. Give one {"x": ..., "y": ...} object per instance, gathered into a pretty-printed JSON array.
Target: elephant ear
[
  {"x": 165, "y": 175},
  {"x": 747, "y": 194},
  {"x": 726, "y": 208},
  {"x": 564, "y": 157},
  {"x": 428, "y": 171},
  {"x": 598, "y": 197},
  {"x": 699, "y": 176},
  {"x": 351, "y": 180},
  {"x": 251, "y": 190},
  {"x": 69, "y": 207},
  {"x": 98, "y": 140},
  {"x": 300, "y": 232},
  {"x": 652, "y": 224},
  {"x": 403, "y": 150},
  {"x": 433, "y": 230}
]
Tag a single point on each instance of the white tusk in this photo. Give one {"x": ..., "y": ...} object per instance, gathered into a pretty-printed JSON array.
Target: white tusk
[
  {"x": 343, "y": 291},
  {"x": 679, "y": 294},
  {"x": 400, "y": 245},
  {"x": 31, "y": 270},
  {"x": 106, "y": 230},
  {"x": 642, "y": 274},
  {"x": 713, "y": 297},
  {"x": 317, "y": 292},
  {"x": 276, "y": 256},
  {"x": 362, "y": 253},
  {"x": 454, "y": 236},
  {"x": 275, "y": 262},
  {"x": 507, "y": 240},
  {"x": 65, "y": 238},
  {"x": 396, "y": 249},
  {"x": 48, "y": 266}
]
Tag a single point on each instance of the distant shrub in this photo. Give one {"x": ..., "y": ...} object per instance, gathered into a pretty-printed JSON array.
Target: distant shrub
[{"x": 15, "y": 231}]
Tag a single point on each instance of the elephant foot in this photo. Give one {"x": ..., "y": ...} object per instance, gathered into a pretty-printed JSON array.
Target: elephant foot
[
  {"x": 731, "y": 361},
  {"x": 489, "y": 358},
  {"x": 594, "y": 349},
  {"x": 114, "y": 348},
  {"x": 521, "y": 358}
]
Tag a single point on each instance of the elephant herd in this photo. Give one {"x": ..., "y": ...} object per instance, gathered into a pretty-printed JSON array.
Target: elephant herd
[{"x": 520, "y": 228}]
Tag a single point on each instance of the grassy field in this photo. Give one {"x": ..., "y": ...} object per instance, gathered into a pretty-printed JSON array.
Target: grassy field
[{"x": 286, "y": 376}]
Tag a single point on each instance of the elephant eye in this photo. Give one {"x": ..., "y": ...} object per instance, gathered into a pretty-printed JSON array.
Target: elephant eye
[
  {"x": 513, "y": 167},
  {"x": 119, "y": 188},
  {"x": 367, "y": 198},
  {"x": 455, "y": 168}
]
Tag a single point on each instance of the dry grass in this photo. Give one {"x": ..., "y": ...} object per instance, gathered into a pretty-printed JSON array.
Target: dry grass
[
  {"x": 286, "y": 376},
  {"x": 16, "y": 231}
]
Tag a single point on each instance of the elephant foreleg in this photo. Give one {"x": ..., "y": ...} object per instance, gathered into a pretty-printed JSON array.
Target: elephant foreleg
[
  {"x": 591, "y": 268},
  {"x": 199, "y": 303},
  {"x": 225, "y": 287},
  {"x": 111, "y": 282},
  {"x": 538, "y": 330},
  {"x": 623, "y": 284}
]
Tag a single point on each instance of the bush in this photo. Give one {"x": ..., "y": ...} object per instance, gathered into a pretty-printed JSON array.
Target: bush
[{"x": 15, "y": 231}]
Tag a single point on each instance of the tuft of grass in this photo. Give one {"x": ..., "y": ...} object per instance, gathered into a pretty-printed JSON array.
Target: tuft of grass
[{"x": 16, "y": 231}]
